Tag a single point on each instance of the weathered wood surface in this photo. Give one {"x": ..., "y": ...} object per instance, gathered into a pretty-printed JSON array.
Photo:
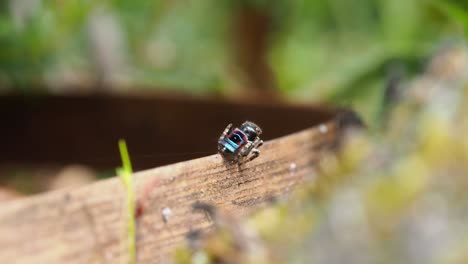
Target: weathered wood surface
[{"x": 86, "y": 225}]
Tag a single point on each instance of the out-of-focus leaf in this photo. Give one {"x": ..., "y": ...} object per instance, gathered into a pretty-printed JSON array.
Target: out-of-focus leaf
[{"x": 454, "y": 11}]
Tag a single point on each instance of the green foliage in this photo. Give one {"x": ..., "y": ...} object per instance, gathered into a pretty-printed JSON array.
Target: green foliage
[
  {"x": 163, "y": 42},
  {"x": 343, "y": 51},
  {"x": 455, "y": 10}
]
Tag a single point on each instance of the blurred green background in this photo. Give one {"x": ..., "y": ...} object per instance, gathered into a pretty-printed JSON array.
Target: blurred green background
[
  {"x": 410, "y": 179},
  {"x": 344, "y": 52}
]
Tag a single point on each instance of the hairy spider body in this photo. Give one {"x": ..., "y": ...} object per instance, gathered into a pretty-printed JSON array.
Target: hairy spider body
[{"x": 238, "y": 143}]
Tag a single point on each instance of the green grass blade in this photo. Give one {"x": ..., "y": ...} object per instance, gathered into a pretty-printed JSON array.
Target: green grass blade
[
  {"x": 125, "y": 174},
  {"x": 127, "y": 165}
]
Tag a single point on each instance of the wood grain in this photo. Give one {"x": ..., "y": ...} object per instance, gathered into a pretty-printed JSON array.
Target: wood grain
[{"x": 86, "y": 225}]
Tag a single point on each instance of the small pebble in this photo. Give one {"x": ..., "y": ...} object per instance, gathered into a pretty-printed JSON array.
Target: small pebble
[
  {"x": 292, "y": 168},
  {"x": 323, "y": 128},
  {"x": 166, "y": 213}
]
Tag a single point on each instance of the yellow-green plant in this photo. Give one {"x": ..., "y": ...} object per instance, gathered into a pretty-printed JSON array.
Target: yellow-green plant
[{"x": 125, "y": 173}]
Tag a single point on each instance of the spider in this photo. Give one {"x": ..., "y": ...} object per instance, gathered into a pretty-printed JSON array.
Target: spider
[{"x": 238, "y": 143}]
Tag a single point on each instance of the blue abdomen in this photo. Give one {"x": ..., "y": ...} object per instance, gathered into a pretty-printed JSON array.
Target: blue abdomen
[{"x": 230, "y": 145}]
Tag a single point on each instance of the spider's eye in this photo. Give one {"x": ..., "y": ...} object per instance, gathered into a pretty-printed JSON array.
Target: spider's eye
[{"x": 235, "y": 138}]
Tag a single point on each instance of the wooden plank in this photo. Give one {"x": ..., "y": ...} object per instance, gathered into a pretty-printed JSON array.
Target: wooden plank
[{"x": 86, "y": 225}]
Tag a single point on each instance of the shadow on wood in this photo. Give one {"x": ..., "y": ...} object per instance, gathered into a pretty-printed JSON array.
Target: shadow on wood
[{"x": 158, "y": 131}]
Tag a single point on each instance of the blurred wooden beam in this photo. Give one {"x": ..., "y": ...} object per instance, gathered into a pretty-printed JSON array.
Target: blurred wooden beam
[
  {"x": 159, "y": 130},
  {"x": 86, "y": 225}
]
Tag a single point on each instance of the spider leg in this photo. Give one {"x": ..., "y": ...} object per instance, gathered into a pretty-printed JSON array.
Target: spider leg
[
  {"x": 258, "y": 143},
  {"x": 226, "y": 132},
  {"x": 254, "y": 148},
  {"x": 244, "y": 151},
  {"x": 255, "y": 153}
]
